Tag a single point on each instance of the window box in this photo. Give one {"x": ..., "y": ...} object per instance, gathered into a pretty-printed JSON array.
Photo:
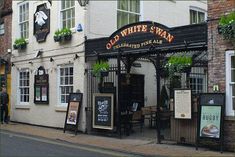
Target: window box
[
  {"x": 20, "y": 44},
  {"x": 64, "y": 34}
]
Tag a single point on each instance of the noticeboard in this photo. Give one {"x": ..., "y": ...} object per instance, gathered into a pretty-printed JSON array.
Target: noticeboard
[
  {"x": 103, "y": 111},
  {"x": 211, "y": 117},
  {"x": 73, "y": 111},
  {"x": 183, "y": 103},
  {"x": 41, "y": 87}
]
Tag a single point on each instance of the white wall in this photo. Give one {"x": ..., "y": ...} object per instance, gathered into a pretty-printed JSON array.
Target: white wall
[
  {"x": 102, "y": 15},
  {"x": 51, "y": 114}
]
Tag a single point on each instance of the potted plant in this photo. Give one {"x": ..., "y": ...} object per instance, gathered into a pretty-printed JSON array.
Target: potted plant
[
  {"x": 57, "y": 36},
  {"x": 100, "y": 69},
  {"x": 178, "y": 64},
  {"x": 64, "y": 34},
  {"x": 227, "y": 27},
  {"x": 67, "y": 34},
  {"x": 20, "y": 43}
]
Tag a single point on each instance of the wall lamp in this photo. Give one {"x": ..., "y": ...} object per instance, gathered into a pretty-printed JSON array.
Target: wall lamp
[
  {"x": 76, "y": 57},
  {"x": 51, "y": 59},
  {"x": 83, "y": 3}
]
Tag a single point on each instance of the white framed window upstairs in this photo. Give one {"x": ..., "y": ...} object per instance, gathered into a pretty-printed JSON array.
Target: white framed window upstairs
[
  {"x": 230, "y": 83},
  {"x": 67, "y": 13},
  {"x": 65, "y": 79},
  {"x": 23, "y": 87},
  {"x": 128, "y": 11},
  {"x": 24, "y": 19},
  {"x": 197, "y": 15}
]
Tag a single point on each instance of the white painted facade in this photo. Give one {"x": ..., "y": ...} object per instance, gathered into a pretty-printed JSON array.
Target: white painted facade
[{"x": 99, "y": 19}]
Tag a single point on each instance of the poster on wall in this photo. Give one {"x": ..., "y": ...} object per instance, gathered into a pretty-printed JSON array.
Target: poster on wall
[
  {"x": 73, "y": 112},
  {"x": 210, "y": 121},
  {"x": 183, "y": 103},
  {"x": 44, "y": 94},
  {"x": 38, "y": 93},
  {"x": 103, "y": 111}
]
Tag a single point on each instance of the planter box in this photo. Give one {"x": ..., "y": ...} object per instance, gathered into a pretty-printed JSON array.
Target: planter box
[
  {"x": 104, "y": 73},
  {"x": 57, "y": 38},
  {"x": 21, "y": 47}
]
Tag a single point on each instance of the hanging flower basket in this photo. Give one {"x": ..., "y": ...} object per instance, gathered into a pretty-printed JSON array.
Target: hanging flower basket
[
  {"x": 178, "y": 64},
  {"x": 227, "y": 27},
  {"x": 20, "y": 44},
  {"x": 100, "y": 69}
]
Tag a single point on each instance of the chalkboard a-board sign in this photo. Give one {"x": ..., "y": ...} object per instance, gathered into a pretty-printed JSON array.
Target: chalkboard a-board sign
[
  {"x": 103, "y": 111},
  {"x": 73, "y": 111},
  {"x": 210, "y": 119}
]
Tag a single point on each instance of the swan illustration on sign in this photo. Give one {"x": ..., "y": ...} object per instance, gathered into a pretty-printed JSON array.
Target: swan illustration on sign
[{"x": 40, "y": 18}]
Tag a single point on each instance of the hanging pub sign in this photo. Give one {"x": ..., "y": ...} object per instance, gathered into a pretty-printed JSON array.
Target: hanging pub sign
[
  {"x": 41, "y": 22},
  {"x": 140, "y": 35},
  {"x": 210, "y": 119},
  {"x": 183, "y": 103},
  {"x": 73, "y": 111},
  {"x": 41, "y": 87},
  {"x": 103, "y": 111}
]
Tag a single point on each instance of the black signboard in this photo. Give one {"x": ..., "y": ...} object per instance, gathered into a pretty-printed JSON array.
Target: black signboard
[
  {"x": 103, "y": 111},
  {"x": 41, "y": 87},
  {"x": 73, "y": 112},
  {"x": 211, "y": 117},
  {"x": 41, "y": 22}
]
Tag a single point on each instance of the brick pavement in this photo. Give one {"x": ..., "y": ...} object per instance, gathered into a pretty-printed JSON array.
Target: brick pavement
[{"x": 138, "y": 146}]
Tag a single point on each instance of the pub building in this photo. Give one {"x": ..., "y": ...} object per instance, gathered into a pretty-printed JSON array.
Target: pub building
[{"x": 128, "y": 101}]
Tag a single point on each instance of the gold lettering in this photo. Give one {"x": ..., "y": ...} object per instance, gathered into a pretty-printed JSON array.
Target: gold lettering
[
  {"x": 169, "y": 38},
  {"x": 124, "y": 32},
  {"x": 144, "y": 28}
]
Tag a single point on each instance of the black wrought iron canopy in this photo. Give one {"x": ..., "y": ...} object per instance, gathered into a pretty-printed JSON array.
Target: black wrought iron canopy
[{"x": 149, "y": 38}]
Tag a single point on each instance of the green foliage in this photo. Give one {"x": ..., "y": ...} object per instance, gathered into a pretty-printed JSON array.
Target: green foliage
[
  {"x": 63, "y": 32},
  {"x": 227, "y": 26},
  {"x": 178, "y": 64},
  {"x": 21, "y": 42},
  {"x": 98, "y": 67}
]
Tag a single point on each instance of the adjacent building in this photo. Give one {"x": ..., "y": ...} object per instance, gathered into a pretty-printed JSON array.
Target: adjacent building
[
  {"x": 5, "y": 44},
  {"x": 221, "y": 64}
]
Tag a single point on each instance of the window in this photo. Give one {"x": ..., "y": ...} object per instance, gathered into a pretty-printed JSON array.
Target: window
[
  {"x": 68, "y": 14},
  {"x": 196, "y": 84},
  {"x": 65, "y": 83},
  {"x": 128, "y": 12},
  {"x": 2, "y": 29},
  {"x": 197, "y": 16},
  {"x": 230, "y": 83},
  {"x": 24, "y": 86},
  {"x": 24, "y": 20}
]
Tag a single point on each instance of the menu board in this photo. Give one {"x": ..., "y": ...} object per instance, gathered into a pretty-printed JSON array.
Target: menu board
[
  {"x": 103, "y": 111},
  {"x": 73, "y": 111},
  {"x": 41, "y": 87},
  {"x": 183, "y": 103},
  {"x": 210, "y": 121}
]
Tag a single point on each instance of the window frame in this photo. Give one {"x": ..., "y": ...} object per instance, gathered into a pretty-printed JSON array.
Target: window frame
[
  {"x": 130, "y": 12},
  {"x": 230, "y": 111},
  {"x": 19, "y": 22},
  {"x": 198, "y": 76},
  {"x": 61, "y": 15},
  {"x": 197, "y": 10},
  {"x": 2, "y": 29},
  {"x": 59, "y": 85},
  {"x": 19, "y": 87}
]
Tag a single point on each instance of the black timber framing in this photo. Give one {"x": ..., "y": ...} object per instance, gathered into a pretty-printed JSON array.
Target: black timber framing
[{"x": 186, "y": 39}]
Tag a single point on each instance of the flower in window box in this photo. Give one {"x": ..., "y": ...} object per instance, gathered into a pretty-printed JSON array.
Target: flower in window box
[
  {"x": 227, "y": 27},
  {"x": 64, "y": 34},
  {"x": 20, "y": 43},
  {"x": 57, "y": 36},
  {"x": 67, "y": 34}
]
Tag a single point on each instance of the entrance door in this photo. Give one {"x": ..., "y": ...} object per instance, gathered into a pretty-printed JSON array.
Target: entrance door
[{"x": 132, "y": 91}]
